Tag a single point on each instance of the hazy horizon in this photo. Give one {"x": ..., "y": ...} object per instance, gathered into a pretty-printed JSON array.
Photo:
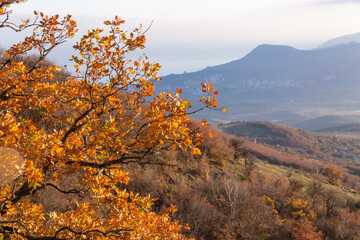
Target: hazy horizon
[{"x": 190, "y": 35}]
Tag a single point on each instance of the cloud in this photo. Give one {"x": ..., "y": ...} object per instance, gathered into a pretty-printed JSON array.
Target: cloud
[
  {"x": 311, "y": 3},
  {"x": 341, "y": 1}
]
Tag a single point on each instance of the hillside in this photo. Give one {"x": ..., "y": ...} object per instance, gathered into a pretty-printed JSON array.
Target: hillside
[
  {"x": 236, "y": 179},
  {"x": 349, "y": 128},
  {"x": 305, "y": 144},
  {"x": 270, "y": 133},
  {"x": 323, "y": 122}
]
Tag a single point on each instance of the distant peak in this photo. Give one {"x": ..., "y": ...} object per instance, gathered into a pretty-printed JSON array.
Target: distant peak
[
  {"x": 268, "y": 51},
  {"x": 275, "y": 48},
  {"x": 342, "y": 40}
]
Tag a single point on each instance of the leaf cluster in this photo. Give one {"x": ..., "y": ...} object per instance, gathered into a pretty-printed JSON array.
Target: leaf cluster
[{"x": 87, "y": 126}]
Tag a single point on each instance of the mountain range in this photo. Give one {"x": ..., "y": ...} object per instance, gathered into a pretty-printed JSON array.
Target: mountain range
[
  {"x": 341, "y": 40},
  {"x": 281, "y": 84}
]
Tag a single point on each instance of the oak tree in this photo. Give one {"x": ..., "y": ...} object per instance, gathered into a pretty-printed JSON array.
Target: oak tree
[
  {"x": 334, "y": 176},
  {"x": 304, "y": 230},
  {"x": 86, "y": 127}
]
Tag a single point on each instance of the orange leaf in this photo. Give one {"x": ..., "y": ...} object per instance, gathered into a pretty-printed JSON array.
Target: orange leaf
[{"x": 210, "y": 135}]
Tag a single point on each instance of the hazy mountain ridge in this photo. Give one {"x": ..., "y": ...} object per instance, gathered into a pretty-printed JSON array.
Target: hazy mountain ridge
[
  {"x": 279, "y": 78},
  {"x": 342, "y": 40}
]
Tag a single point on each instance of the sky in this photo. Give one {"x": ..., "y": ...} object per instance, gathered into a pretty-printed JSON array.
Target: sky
[{"x": 189, "y": 35}]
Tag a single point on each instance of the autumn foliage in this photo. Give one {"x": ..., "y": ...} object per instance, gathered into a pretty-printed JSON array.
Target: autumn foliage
[
  {"x": 334, "y": 176},
  {"x": 303, "y": 230},
  {"x": 86, "y": 127}
]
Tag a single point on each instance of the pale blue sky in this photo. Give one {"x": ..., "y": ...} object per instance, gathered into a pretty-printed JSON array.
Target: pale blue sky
[{"x": 188, "y": 35}]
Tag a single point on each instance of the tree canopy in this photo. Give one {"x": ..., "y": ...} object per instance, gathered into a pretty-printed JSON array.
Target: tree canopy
[{"x": 84, "y": 127}]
